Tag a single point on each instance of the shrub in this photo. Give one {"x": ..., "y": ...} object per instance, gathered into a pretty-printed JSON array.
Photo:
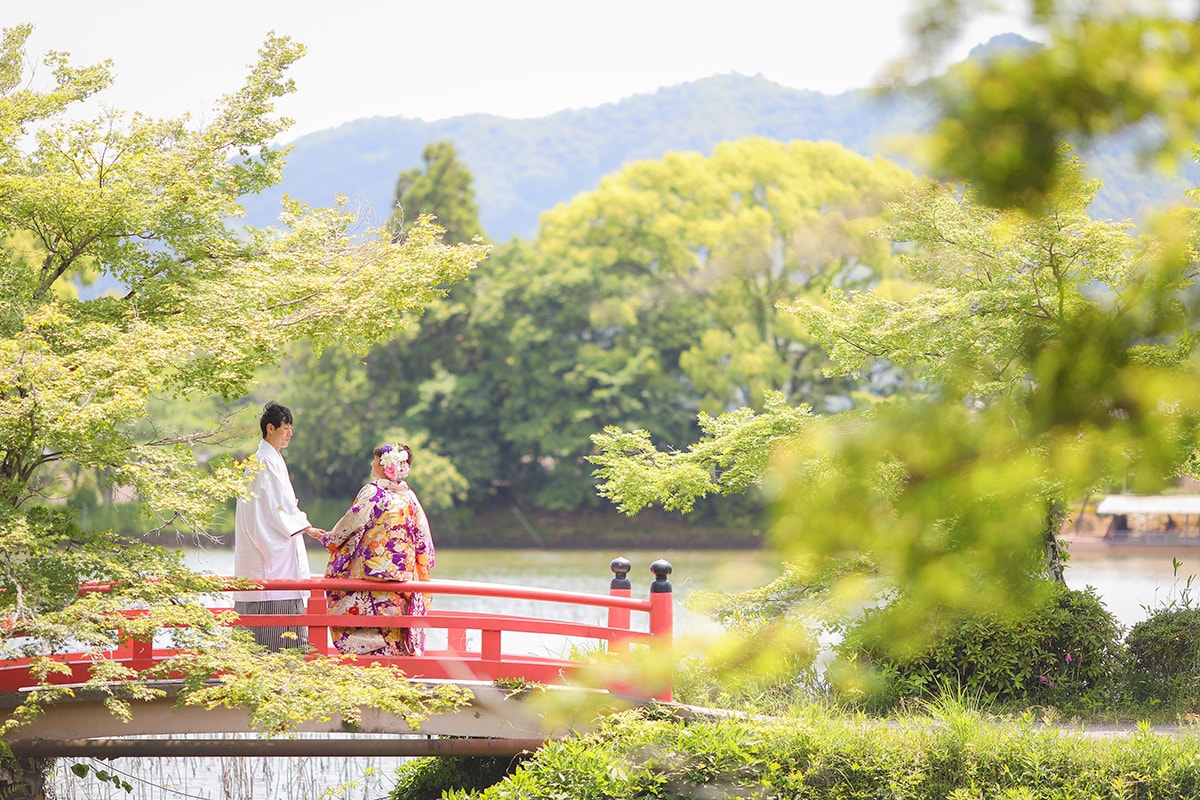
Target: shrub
[
  {"x": 1164, "y": 655},
  {"x": 430, "y": 778},
  {"x": 1065, "y": 653}
]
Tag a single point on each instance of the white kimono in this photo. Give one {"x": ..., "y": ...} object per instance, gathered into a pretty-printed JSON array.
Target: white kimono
[{"x": 263, "y": 544}]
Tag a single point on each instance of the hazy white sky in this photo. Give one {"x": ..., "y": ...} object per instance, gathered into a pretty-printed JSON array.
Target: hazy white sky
[{"x": 442, "y": 58}]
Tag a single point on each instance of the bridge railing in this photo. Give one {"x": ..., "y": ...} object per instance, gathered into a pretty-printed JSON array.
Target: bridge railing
[{"x": 493, "y": 659}]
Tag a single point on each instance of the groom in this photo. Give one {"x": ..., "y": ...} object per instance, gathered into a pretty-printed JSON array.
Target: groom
[{"x": 265, "y": 543}]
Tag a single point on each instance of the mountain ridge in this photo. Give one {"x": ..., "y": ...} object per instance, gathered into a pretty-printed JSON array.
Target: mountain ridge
[{"x": 523, "y": 167}]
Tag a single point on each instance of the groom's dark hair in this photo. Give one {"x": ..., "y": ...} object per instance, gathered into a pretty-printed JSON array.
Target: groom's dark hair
[{"x": 274, "y": 414}]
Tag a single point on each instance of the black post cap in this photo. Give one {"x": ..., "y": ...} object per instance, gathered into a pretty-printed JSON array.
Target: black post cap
[
  {"x": 661, "y": 570},
  {"x": 620, "y": 568}
]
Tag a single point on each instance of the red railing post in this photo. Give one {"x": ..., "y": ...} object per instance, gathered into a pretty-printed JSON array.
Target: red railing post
[
  {"x": 662, "y": 621},
  {"x": 618, "y": 618},
  {"x": 318, "y": 635},
  {"x": 489, "y": 645},
  {"x": 141, "y": 653}
]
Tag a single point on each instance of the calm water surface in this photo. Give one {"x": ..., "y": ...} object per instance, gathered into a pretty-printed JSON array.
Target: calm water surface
[
  {"x": 1128, "y": 582},
  {"x": 567, "y": 570},
  {"x": 1125, "y": 582}
]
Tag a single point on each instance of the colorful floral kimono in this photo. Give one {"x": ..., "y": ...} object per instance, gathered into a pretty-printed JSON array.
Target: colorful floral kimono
[{"x": 384, "y": 536}]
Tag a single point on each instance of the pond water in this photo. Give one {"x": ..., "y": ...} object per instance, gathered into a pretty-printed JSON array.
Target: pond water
[
  {"x": 1126, "y": 582},
  {"x": 565, "y": 570}
]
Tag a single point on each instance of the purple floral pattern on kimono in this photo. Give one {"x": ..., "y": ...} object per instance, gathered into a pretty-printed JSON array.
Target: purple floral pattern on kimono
[{"x": 384, "y": 536}]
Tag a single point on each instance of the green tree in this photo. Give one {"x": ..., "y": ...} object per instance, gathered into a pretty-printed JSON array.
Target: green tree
[
  {"x": 444, "y": 189},
  {"x": 146, "y": 202},
  {"x": 657, "y": 295},
  {"x": 342, "y": 418},
  {"x": 1055, "y": 353},
  {"x": 1106, "y": 67},
  {"x": 722, "y": 242}
]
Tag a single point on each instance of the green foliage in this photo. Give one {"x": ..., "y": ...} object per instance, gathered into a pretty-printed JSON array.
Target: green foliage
[
  {"x": 81, "y": 770},
  {"x": 443, "y": 190},
  {"x": 1054, "y": 353},
  {"x": 993, "y": 288},
  {"x": 766, "y": 672},
  {"x": 693, "y": 256},
  {"x": 732, "y": 459},
  {"x": 204, "y": 307},
  {"x": 1064, "y": 652},
  {"x": 1107, "y": 67},
  {"x": 146, "y": 204},
  {"x": 638, "y": 304},
  {"x": 46, "y": 557},
  {"x": 953, "y": 753},
  {"x": 1164, "y": 651},
  {"x": 446, "y": 776},
  {"x": 342, "y": 415},
  {"x": 282, "y": 690}
]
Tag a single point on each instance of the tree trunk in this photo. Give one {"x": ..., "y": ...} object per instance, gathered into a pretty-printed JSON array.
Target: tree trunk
[{"x": 1056, "y": 512}]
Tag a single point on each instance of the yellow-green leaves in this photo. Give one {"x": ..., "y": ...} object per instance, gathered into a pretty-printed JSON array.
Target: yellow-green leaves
[
  {"x": 282, "y": 690},
  {"x": 1102, "y": 70},
  {"x": 732, "y": 457},
  {"x": 193, "y": 308},
  {"x": 197, "y": 308}
]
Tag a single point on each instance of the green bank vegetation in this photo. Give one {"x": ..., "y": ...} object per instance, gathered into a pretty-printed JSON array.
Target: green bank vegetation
[{"x": 951, "y": 754}]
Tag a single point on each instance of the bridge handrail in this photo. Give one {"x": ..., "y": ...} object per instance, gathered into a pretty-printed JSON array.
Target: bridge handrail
[
  {"x": 488, "y": 662},
  {"x": 436, "y": 586},
  {"x": 455, "y": 587}
]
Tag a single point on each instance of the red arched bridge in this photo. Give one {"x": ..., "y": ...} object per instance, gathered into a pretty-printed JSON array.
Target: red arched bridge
[{"x": 495, "y": 722}]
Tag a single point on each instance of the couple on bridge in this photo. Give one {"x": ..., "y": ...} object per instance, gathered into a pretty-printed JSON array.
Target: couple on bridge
[{"x": 383, "y": 536}]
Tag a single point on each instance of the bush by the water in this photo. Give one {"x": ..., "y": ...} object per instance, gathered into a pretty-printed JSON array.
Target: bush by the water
[
  {"x": 1067, "y": 653},
  {"x": 429, "y": 778},
  {"x": 1164, "y": 653}
]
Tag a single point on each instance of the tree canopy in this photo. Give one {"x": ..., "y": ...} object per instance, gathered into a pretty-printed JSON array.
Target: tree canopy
[
  {"x": 1053, "y": 353},
  {"x": 640, "y": 303},
  {"x": 444, "y": 189},
  {"x": 150, "y": 204}
]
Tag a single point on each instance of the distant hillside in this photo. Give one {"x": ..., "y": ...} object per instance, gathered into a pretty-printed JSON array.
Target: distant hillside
[{"x": 523, "y": 167}]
